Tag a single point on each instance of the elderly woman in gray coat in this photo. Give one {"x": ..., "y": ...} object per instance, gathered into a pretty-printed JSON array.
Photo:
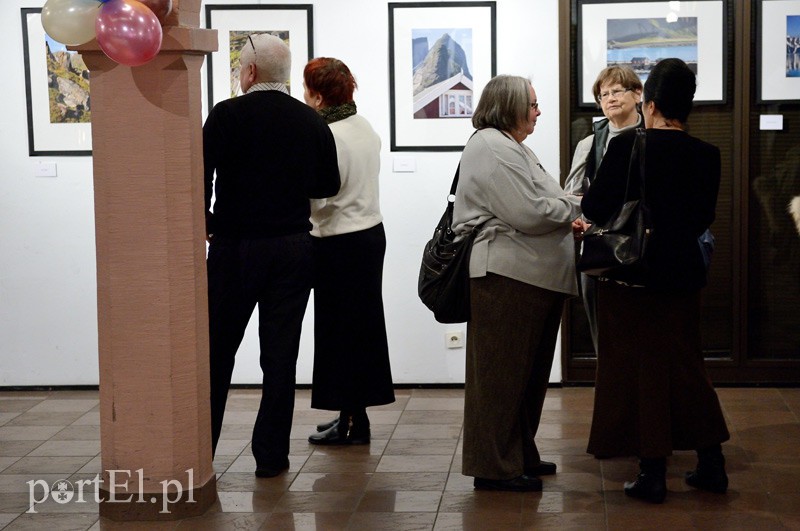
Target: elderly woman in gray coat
[{"x": 522, "y": 270}]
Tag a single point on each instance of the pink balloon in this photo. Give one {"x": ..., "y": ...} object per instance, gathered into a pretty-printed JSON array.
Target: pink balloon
[
  {"x": 128, "y": 32},
  {"x": 161, "y": 8}
]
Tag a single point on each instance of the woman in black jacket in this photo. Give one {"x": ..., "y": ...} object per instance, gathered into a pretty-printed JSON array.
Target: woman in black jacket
[{"x": 652, "y": 393}]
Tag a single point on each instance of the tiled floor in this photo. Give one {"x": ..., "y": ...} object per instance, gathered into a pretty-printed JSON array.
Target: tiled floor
[{"x": 409, "y": 477}]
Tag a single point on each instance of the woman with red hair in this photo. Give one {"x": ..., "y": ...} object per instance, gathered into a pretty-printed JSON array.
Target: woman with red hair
[{"x": 351, "y": 355}]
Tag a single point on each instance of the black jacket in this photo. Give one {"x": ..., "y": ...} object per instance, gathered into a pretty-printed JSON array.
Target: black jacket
[{"x": 682, "y": 176}]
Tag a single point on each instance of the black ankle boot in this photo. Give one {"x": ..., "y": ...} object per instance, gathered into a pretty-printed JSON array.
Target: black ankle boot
[
  {"x": 651, "y": 483},
  {"x": 710, "y": 473},
  {"x": 352, "y": 428}
]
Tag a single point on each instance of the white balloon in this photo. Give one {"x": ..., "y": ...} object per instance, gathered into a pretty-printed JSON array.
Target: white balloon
[{"x": 70, "y": 22}]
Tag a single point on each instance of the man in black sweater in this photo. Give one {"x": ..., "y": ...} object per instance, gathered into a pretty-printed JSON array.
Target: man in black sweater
[{"x": 271, "y": 153}]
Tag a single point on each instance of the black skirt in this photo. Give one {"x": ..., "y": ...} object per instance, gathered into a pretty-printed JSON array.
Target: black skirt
[
  {"x": 351, "y": 354},
  {"x": 652, "y": 393}
]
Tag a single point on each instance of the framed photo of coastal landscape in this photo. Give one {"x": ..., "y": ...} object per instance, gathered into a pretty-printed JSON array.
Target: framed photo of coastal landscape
[
  {"x": 57, "y": 93},
  {"x": 234, "y": 23},
  {"x": 441, "y": 55},
  {"x": 778, "y": 51},
  {"x": 639, "y": 34}
]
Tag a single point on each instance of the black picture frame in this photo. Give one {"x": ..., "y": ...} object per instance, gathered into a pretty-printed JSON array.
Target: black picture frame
[
  {"x": 258, "y": 18},
  {"x": 56, "y": 127},
  {"x": 706, "y": 52},
  {"x": 774, "y": 85},
  {"x": 428, "y": 110}
]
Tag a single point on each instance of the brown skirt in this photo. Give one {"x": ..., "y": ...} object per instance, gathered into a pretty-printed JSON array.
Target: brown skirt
[{"x": 652, "y": 392}]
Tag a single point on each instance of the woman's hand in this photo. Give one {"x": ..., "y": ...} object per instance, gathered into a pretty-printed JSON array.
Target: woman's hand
[{"x": 578, "y": 228}]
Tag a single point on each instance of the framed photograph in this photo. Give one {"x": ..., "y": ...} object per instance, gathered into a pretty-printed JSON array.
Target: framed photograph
[
  {"x": 234, "y": 23},
  {"x": 639, "y": 34},
  {"x": 57, "y": 93},
  {"x": 778, "y": 51},
  {"x": 441, "y": 55}
]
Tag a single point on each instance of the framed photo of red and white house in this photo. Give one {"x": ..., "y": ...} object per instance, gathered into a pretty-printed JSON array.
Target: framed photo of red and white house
[
  {"x": 778, "y": 51},
  {"x": 441, "y": 55},
  {"x": 639, "y": 34},
  {"x": 236, "y": 22},
  {"x": 57, "y": 93}
]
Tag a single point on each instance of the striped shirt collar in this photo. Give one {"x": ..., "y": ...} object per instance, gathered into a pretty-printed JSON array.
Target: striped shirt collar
[{"x": 280, "y": 87}]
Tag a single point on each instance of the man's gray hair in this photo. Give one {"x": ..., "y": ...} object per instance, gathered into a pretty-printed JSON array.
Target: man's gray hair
[
  {"x": 505, "y": 103},
  {"x": 271, "y": 55}
]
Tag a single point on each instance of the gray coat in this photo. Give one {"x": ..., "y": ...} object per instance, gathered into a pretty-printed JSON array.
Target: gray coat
[{"x": 527, "y": 234}]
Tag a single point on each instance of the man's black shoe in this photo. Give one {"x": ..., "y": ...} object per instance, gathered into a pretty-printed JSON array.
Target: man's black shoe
[{"x": 271, "y": 472}]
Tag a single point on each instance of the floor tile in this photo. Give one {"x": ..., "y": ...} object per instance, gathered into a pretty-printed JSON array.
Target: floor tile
[
  {"x": 392, "y": 501},
  {"x": 327, "y": 482},
  {"x": 56, "y": 522},
  {"x": 67, "y": 448}
]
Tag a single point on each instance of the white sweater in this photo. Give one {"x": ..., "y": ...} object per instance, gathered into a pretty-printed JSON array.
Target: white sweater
[{"x": 356, "y": 207}]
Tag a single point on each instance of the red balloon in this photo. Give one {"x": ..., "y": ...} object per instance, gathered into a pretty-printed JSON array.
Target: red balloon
[
  {"x": 128, "y": 32},
  {"x": 161, "y": 8}
]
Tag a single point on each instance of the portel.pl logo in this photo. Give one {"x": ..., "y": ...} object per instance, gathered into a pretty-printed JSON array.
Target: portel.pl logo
[{"x": 63, "y": 491}]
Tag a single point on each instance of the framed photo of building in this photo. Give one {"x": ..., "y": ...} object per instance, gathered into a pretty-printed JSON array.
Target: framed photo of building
[
  {"x": 234, "y": 23},
  {"x": 57, "y": 93},
  {"x": 441, "y": 55},
  {"x": 639, "y": 34},
  {"x": 778, "y": 51}
]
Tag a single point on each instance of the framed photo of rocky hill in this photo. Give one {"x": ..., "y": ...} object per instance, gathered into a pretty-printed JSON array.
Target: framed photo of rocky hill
[
  {"x": 639, "y": 34},
  {"x": 57, "y": 93},
  {"x": 234, "y": 23},
  {"x": 441, "y": 55}
]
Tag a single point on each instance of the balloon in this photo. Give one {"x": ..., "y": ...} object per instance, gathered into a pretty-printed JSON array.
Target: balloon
[
  {"x": 70, "y": 22},
  {"x": 128, "y": 32},
  {"x": 161, "y": 8}
]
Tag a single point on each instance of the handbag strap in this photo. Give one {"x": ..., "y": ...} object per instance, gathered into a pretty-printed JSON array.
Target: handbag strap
[
  {"x": 455, "y": 183},
  {"x": 637, "y": 153}
]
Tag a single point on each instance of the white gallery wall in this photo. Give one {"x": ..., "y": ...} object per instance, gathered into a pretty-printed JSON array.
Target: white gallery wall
[{"x": 48, "y": 313}]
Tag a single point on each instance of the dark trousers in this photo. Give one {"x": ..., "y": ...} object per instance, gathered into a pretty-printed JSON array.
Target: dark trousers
[
  {"x": 510, "y": 346},
  {"x": 276, "y": 274}
]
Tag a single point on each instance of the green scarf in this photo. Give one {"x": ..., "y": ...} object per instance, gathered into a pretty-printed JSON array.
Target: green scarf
[{"x": 338, "y": 112}]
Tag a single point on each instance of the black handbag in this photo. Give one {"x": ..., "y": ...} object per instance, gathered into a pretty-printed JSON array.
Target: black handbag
[
  {"x": 443, "y": 284},
  {"x": 617, "y": 248}
]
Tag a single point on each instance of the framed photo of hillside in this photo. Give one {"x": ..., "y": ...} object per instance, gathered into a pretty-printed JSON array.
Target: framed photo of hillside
[
  {"x": 441, "y": 55},
  {"x": 778, "y": 51},
  {"x": 293, "y": 23},
  {"x": 639, "y": 34},
  {"x": 57, "y": 93}
]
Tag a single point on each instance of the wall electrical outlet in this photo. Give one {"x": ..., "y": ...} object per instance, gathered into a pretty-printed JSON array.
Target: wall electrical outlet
[{"x": 454, "y": 339}]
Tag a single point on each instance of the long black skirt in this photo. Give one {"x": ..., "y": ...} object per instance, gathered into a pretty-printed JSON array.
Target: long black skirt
[
  {"x": 652, "y": 393},
  {"x": 351, "y": 354}
]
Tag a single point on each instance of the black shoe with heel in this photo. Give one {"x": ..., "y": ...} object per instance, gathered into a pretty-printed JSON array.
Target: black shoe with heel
[
  {"x": 651, "y": 483},
  {"x": 648, "y": 487},
  {"x": 521, "y": 483},
  {"x": 710, "y": 472},
  {"x": 347, "y": 429},
  {"x": 544, "y": 468},
  {"x": 327, "y": 425}
]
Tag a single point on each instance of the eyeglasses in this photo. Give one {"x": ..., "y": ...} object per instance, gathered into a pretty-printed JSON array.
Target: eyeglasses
[
  {"x": 616, "y": 93},
  {"x": 535, "y": 105},
  {"x": 250, "y": 39}
]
